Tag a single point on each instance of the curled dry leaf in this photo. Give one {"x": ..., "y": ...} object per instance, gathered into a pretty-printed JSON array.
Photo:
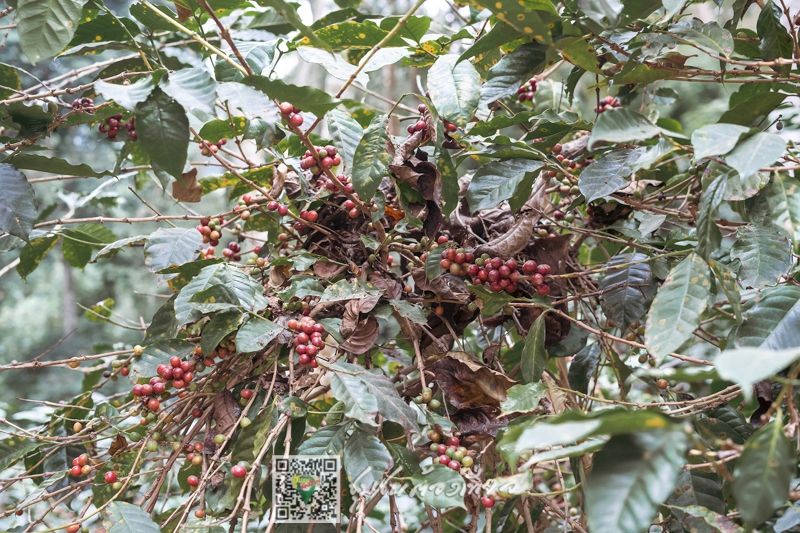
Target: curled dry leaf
[
  {"x": 326, "y": 269},
  {"x": 422, "y": 176},
  {"x": 209, "y": 446},
  {"x": 352, "y": 310},
  {"x": 467, "y": 383},
  {"x": 514, "y": 240},
  {"x": 279, "y": 179},
  {"x": 479, "y": 422},
  {"x": 187, "y": 189},
  {"x": 392, "y": 290},
  {"x": 118, "y": 446},
  {"x": 226, "y": 411},
  {"x": 363, "y": 338}
]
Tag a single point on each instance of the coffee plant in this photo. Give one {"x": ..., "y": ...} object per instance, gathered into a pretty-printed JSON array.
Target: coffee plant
[{"x": 522, "y": 297}]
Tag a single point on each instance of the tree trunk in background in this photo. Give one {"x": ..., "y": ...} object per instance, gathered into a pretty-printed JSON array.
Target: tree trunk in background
[{"x": 68, "y": 298}]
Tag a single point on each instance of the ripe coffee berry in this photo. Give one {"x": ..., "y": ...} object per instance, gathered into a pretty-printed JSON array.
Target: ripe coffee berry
[
  {"x": 487, "y": 502},
  {"x": 111, "y": 477},
  {"x": 528, "y": 90},
  {"x": 192, "y": 481},
  {"x": 239, "y": 471},
  {"x": 609, "y": 102}
]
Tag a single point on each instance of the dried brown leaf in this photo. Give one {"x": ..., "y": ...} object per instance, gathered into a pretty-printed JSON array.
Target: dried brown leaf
[
  {"x": 226, "y": 411},
  {"x": 447, "y": 286},
  {"x": 363, "y": 338},
  {"x": 187, "y": 189},
  {"x": 118, "y": 446},
  {"x": 514, "y": 240},
  {"x": 467, "y": 383}
]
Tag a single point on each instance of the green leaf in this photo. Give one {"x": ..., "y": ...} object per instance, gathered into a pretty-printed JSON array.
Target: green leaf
[
  {"x": 764, "y": 252},
  {"x": 580, "y": 53},
  {"x": 747, "y": 366},
  {"x": 128, "y": 518},
  {"x": 163, "y": 325},
  {"x": 102, "y": 27},
  {"x": 622, "y": 125},
  {"x": 193, "y": 88},
  {"x": 218, "y": 129},
  {"x": 128, "y": 96},
  {"x": 13, "y": 449},
  {"x": 367, "y": 393},
  {"x": 695, "y": 487},
  {"x": 764, "y": 473},
  {"x": 251, "y": 439},
  {"x": 366, "y": 459},
  {"x": 753, "y": 153},
  {"x": 529, "y": 18},
  {"x": 357, "y": 35},
  {"x": 608, "y": 174},
  {"x": 34, "y": 252},
  {"x": 784, "y": 203},
  {"x": 775, "y": 40},
  {"x": 498, "y": 181},
  {"x": 490, "y": 302},
  {"x": 46, "y": 27},
  {"x": 454, "y": 89},
  {"x": 601, "y": 13},
  {"x": 433, "y": 266},
  {"x": 627, "y": 290},
  {"x": 500, "y": 34},
  {"x": 163, "y": 130},
  {"x": 80, "y": 240},
  {"x": 439, "y": 486},
  {"x": 328, "y": 440},
  {"x": 54, "y": 165},
  {"x": 534, "y": 354},
  {"x": 306, "y": 98},
  {"x": 348, "y": 290},
  {"x": 632, "y": 475},
  {"x": 168, "y": 247},
  {"x": 513, "y": 70},
  {"x": 9, "y": 77},
  {"x": 218, "y": 328},
  {"x": 709, "y": 237},
  {"x": 115, "y": 246},
  {"x": 709, "y": 36},
  {"x": 256, "y": 333},
  {"x": 676, "y": 310},
  {"x": 724, "y": 422},
  {"x": 17, "y": 203},
  {"x": 752, "y": 109},
  {"x": 583, "y": 367},
  {"x": 696, "y": 518},
  {"x": 159, "y": 353},
  {"x": 371, "y": 159},
  {"x": 587, "y": 446},
  {"x": 346, "y": 133},
  {"x": 716, "y": 139},
  {"x": 523, "y": 398},
  {"x": 288, "y": 12},
  {"x": 213, "y": 299},
  {"x": 123, "y": 465},
  {"x": 730, "y": 287},
  {"x": 409, "y": 311},
  {"x": 450, "y": 187},
  {"x": 773, "y": 322}
]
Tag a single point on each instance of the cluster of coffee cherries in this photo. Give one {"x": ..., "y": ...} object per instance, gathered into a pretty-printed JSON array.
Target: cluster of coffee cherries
[
  {"x": 81, "y": 466},
  {"x": 309, "y": 340},
  {"x": 327, "y": 158},
  {"x": 177, "y": 373},
  {"x": 291, "y": 113},
  {"x": 421, "y": 125},
  {"x": 298, "y": 306},
  {"x": 194, "y": 452},
  {"x": 84, "y": 105},
  {"x": 527, "y": 90},
  {"x": 426, "y": 397},
  {"x": 111, "y": 126},
  {"x": 609, "y": 102},
  {"x": 231, "y": 253},
  {"x": 495, "y": 273},
  {"x": 449, "y": 452},
  {"x": 211, "y": 230},
  {"x": 207, "y": 148}
]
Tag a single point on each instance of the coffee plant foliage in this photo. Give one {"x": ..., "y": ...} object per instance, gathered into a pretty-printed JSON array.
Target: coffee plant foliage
[{"x": 520, "y": 298}]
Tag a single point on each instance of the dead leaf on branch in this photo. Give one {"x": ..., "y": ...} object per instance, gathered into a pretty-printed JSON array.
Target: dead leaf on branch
[
  {"x": 447, "y": 286},
  {"x": 226, "y": 411},
  {"x": 187, "y": 189},
  {"x": 514, "y": 240},
  {"x": 118, "y": 446},
  {"x": 363, "y": 337},
  {"x": 478, "y": 423},
  {"x": 466, "y": 383}
]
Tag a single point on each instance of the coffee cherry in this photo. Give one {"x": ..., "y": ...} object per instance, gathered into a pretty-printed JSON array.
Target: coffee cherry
[
  {"x": 153, "y": 404},
  {"x": 455, "y": 465},
  {"x": 239, "y": 471},
  {"x": 73, "y": 528},
  {"x": 219, "y": 438},
  {"x": 199, "y": 513},
  {"x": 111, "y": 477},
  {"x": 543, "y": 290},
  {"x": 467, "y": 461},
  {"x": 452, "y": 441},
  {"x": 296, "y": 120},
  {"x": 286, "y": 108},
  {"x": 444, "y": 460},
  {"x": 662, "y": 383},
  {"x": 487, "y": 502},
  {"x": 76, "y": 471},
  {"x": 192, "y": 481}
]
